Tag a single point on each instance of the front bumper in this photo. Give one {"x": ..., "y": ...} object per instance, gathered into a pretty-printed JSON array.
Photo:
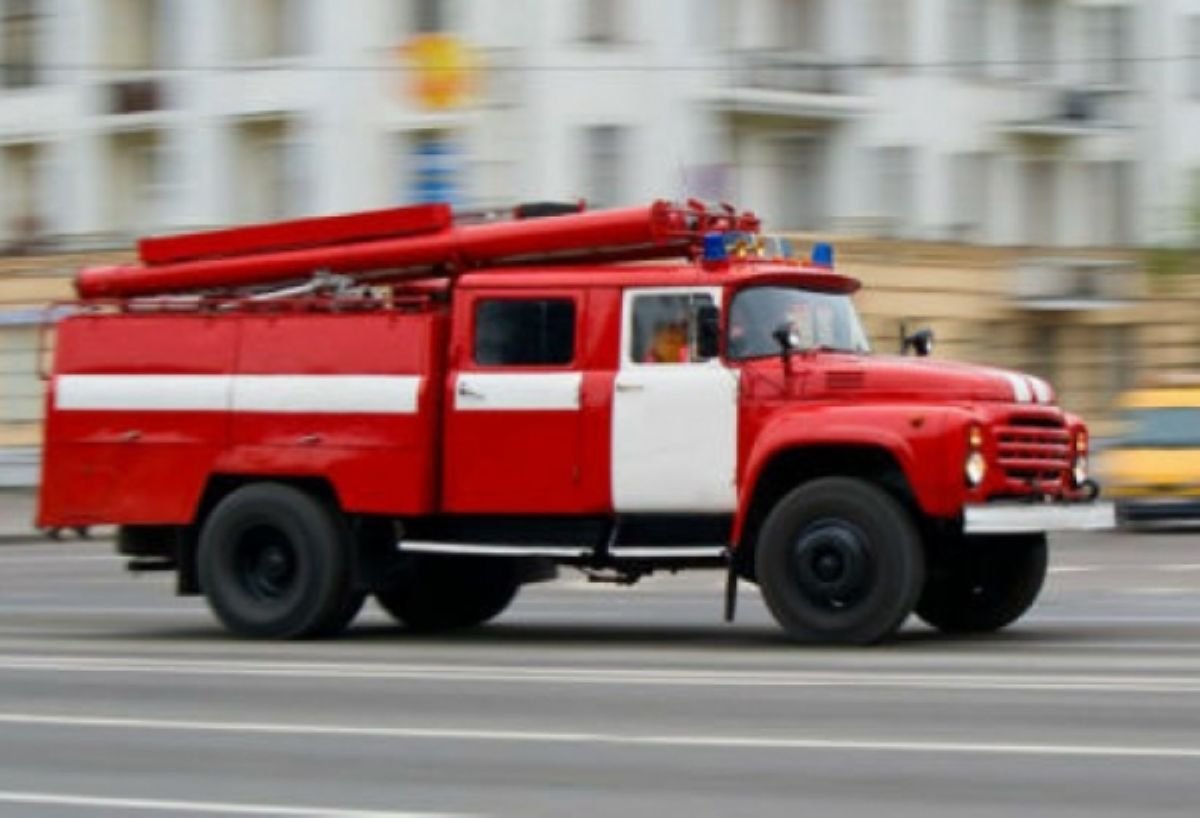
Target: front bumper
[{"x": 1023, "y": 518}]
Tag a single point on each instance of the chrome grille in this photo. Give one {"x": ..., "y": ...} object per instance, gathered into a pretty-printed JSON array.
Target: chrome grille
[{"x": 1034, "y": 450}]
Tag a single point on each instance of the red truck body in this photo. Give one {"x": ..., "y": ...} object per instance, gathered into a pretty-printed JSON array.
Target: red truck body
[{"x": 495, "y": 395}]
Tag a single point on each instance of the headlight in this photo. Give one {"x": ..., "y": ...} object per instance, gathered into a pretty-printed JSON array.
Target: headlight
[
  {"x": 1079, "y": 470},
  {"x": 975, "y": 468}
]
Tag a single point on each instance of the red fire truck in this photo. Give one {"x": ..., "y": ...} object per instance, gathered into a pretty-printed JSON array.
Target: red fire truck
[{"x": 435, "y": 410}]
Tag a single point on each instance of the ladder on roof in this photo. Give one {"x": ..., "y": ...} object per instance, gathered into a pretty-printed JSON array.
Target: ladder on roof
[{"x": 403, "y": 244}]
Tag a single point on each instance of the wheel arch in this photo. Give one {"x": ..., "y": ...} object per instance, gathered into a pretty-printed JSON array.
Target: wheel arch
[
  {"x": 789, "y": 467},
  {"x": 218, "y": 487}
]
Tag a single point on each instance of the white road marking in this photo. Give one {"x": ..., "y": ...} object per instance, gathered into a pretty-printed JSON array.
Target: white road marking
[
  {"x": 66, "y": 559},
  {"x": 614, "y": 739},
  {"x": 867, "y": 678},
  {"x": 1074, "y": 569},
  {"x": 211, "y": 807},
  {"x": 102, "y": 610}
]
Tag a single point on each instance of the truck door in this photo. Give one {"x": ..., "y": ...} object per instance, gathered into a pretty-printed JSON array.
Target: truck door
[
  {"x": 513, "y": 404},
  {"x": 674, "y": 428}
]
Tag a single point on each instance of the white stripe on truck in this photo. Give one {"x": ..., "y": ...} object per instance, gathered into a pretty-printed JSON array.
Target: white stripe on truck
[{"x": 345, "y": 394}]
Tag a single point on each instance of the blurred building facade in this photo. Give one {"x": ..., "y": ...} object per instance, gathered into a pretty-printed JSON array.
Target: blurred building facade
[
  {"x": 994, "y": 162},
  {"x": 1053, "y": 123}
]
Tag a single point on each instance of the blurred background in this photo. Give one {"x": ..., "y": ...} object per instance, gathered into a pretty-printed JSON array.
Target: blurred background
[{"x": 1023, "y": 176}]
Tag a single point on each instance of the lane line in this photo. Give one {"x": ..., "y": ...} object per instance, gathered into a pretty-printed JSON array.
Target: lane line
[
  {"x": 1074, "y": 569},
  {"x": 867, "y": 678},
  {"x": 724, "y": 742},
  {"x": 210, "y": 807},
  {"x": 66, "y": 559}
]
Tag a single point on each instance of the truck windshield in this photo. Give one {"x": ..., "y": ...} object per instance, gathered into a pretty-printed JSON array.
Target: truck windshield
[
  {"x": 1174, "y": 427},
  {"x": 816, "y": 320}
]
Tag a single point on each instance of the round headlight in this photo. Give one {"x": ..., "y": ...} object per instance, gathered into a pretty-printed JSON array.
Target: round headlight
[
  {"x": 1079, "y": 470},
  {"x": 975, "y": 468}
]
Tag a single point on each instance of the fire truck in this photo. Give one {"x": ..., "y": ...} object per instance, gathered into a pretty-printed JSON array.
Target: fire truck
[{"x": 435, "y": 409}]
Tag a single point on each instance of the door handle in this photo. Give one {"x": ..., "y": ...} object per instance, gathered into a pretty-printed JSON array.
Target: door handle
[
  {"x": 132, "y": 436},
  {"x": 630, "y": 387},
  {"x": 466, "y": 391}
]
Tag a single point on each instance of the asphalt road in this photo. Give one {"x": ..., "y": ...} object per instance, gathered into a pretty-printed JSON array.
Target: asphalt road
[{"x": 117, "y": 698}]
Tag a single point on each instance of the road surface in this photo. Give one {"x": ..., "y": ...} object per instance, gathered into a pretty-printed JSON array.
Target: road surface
[{"x": 117, "y": 698}]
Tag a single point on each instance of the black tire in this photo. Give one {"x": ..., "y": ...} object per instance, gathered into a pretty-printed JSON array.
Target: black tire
[
  {"x": 274, "y": 563},
  {"x": 339, "y": 621},
  {"x": 839, "y": 562},
  {"x": 983, "y": 583},
  {"x": 437, "y": 593}
]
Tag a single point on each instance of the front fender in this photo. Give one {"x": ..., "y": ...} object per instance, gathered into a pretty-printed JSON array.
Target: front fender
[{"x": 921, "y": 440}]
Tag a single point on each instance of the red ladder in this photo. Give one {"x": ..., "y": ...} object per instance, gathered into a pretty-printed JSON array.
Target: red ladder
[{"x": 404, "y": 243}]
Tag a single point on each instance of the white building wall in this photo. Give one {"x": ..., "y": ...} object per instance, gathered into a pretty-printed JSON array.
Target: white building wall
[{"x": 669, "y": 82}]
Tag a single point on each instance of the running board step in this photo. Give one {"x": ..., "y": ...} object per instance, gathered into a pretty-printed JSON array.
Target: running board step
[{"x": 576, "y": 552}]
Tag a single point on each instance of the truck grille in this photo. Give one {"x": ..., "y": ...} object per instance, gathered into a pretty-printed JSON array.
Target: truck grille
[{"x": 1034, "y": 451}]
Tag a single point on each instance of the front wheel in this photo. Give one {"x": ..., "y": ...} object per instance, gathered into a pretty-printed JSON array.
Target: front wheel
[
  {"x": 983, "y": 583},
  {"x": 839, "y": 562},
  {"x": 437, "y": 593}
]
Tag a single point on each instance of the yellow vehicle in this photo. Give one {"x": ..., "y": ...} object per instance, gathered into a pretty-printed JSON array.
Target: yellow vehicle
[{"x": 1153, "y": 467}]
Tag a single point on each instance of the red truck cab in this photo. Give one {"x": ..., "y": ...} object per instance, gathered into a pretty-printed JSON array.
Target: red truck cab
[{"x": 462, "y": 408}]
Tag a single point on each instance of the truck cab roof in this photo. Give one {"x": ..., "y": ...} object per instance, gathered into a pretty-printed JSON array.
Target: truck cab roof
[{"x": 679, "y": 274}]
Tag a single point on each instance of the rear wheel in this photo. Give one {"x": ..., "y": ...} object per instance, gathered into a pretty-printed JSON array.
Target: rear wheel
[
  {"x": 435, "y": 593},
  {"x": 839, "y": 562},
  {"x": 273, "y": 563},
  {"x": 983, "y": 583}
]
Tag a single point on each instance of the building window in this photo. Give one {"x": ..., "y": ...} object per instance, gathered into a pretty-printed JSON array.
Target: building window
[
  {"x": 799, "y": 25},
  {"x": 1120, "y": 360},
  {"x": 272, "y": 171},
  {"x": 132, "y": 35},
  {"x": 968, "y": 196},
  {"x": 270, "y": 29},
  {"x": 968, "y": 46},
  {"x": 1043, "y": 351},
  {"x": 429, "y": 16},
  {"x": 20, "y": 43},
  {"x": 896, "y": 192},
  {"x": 1036, "y": 40},
  {"x": 538, "y": 332},
  {"x": 22, "y": 194},
  {"x": 601, "y": 21},
  {"x": 604, "y": 164},
  {"x": 1111, "y": 203},
  {"x": 1039, "y": 202},
  {"x": 21, "y": 393},
  {"x": 893, "y": 32},
  {"x": 1108, "y": 41},
  {"x": 799, "y": 192},
  {"x": 1194, "y": 54},
  {"x": 137, "y": 184}
]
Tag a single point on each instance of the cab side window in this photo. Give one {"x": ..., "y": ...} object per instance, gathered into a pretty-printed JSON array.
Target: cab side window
[
  {"x": 524, "y": 332},
  {"x": 664, "y": 328}
]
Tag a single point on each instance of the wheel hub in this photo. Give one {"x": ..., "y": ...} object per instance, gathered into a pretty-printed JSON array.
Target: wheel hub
[
  {"x": 266, "y": 563},
  {"x": 831, "y": 563}
]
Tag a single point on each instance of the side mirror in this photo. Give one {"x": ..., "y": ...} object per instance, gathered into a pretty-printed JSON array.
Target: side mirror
[
  {"x": 920, "y": 342},
  {"x": 708, "y": 331},
  {"x": 785, "y": 336}
]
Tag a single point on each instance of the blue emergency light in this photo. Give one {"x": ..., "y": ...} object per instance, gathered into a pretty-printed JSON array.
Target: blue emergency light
[
  {"x": 822, "y": 254},
  {"x": 714, "y": 248}
]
